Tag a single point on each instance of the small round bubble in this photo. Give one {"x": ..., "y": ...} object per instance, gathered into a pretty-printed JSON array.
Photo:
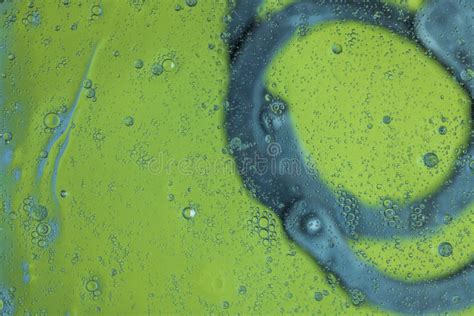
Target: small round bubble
[
  {"x": 336, "y": 48},
  {"x": 189, "y": 212},
  {"x": 52, "y": 120},
  {"x": 445, "y": 249},
  {"x": 138, "y": 64},
  {"x": 191, "y": 3},
  {"x": 96, "y": 10},
  {"x": 387, "y": 119},
  {"x": 92, "y": 286},
  {"x": 43, "y": 229},
  {"x": 430, "y": 160},
  {"x": 157, "y": 69},
  {"x": 318, "y": 296},
  {"x": 169, "y": 65}
]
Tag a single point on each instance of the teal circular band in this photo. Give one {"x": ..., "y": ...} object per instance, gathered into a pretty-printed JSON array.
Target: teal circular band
[{"x": 262, "y": 140}]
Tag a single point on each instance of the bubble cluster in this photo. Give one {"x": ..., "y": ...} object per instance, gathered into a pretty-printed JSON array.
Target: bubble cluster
[
  {"x": 90, "y": 91},
  {"x": 41, "y": 229},
  {"x": 98, "y": 135},
  {"x": 32, "y": 18},
  {"x": 390, "y": 213},
  {"x": 264, "y": 225},
  {"x": 350, "y": 210},
  {"x": 137, "y": 4},
  {"x": 35, "y": 211},
  {"x": 40, "y": 235},
  {"x": 467, "y": 74},
  {"x": 141, "y": 156},
  {"x": 93, "y": 287},
  {"x": 7, "y": 297},
  {"x": 128, "y": 121},
  {"x": 303, "y": 28},
  {"x": 277, "y": 106},
  {"x": 87, "y": 84},
  {"x": 225, "y": 37},
  {"x": 417, "y": 217},
  {"x": 357, "y": 297},
  {"x": 191, "y": 3}
]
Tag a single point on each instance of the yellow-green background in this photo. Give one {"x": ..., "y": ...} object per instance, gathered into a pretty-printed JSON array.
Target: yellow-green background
[{"x": 121, "y": 222}]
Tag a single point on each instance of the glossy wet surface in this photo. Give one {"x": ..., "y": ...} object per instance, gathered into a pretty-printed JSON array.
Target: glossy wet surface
[{"x": 120, "y": 192}]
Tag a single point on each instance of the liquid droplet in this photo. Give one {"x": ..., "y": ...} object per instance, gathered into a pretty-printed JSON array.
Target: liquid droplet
[
  {"x": 138, "y": 64},
  {"x": 92, "y": 286},
  {"x": 169, "y": 65},
  {"x": 318, "y": 296},
  {"x": 157, "y": 69},
  {"x": 189, "y": 212},
  {"x": 430, "y": 160},
  {"x": 51, "y": 120},
  {"x": 443, "y": 130},
  {"x": 43, "y": 229},
  {"x": 191, "y": 3},
  {"x": 336, "y": 49},
  {"x": 128, "y": 121},
  {"x": 445, "y": 249},
  {"x": 96, "y": 10}
]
